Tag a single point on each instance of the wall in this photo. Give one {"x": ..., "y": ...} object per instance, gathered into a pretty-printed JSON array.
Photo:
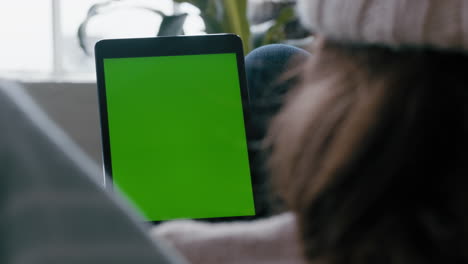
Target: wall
[{"x": 74, "y": 106}]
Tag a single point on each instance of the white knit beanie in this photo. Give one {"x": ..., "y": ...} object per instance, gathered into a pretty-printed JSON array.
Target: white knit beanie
[{"x": 436, "y": 23}]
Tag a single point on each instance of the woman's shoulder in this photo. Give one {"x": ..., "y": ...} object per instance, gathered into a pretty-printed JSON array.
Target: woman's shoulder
[{"x": 269, "y": 240}]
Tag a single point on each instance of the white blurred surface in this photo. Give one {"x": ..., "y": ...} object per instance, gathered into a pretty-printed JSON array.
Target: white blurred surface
[{"x": 26, "y": 34}]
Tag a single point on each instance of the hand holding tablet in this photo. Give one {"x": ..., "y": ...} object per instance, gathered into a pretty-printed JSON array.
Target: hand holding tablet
[{"x": 173, "y": 118}]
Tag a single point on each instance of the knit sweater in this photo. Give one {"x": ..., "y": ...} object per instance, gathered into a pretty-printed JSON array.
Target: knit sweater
[{"x": 273, "y": 241}]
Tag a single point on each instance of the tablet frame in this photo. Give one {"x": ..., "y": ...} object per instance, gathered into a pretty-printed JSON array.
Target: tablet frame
[{"x": 170, "y": 46}]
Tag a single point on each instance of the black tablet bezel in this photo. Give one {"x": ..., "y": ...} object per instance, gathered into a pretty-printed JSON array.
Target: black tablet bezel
[{"x": 168, "y": 46}]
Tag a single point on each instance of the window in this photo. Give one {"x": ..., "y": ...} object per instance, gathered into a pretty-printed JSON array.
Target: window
[
  {"x": 26, "y": 44},
  {"x": 39, "y": 38}
]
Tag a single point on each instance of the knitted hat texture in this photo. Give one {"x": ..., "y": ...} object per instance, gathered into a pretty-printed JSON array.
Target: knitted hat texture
[{"x": 436, "y": 23}]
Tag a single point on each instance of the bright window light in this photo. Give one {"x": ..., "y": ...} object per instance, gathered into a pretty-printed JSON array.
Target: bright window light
[
  {"x": 25, "y": 27},
  {"x": 39, "y": 38}
]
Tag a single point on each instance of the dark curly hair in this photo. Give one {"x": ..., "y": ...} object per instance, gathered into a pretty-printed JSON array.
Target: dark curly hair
[{"x": 371, "y": 154}]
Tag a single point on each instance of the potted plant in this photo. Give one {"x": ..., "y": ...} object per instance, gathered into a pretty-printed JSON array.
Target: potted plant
[{"x": 277, "y": 24}]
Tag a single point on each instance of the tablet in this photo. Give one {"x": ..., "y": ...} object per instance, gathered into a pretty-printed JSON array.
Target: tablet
[{"x": 174, "y": 119}]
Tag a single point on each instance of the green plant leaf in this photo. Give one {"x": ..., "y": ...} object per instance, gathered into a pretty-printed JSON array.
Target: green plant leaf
[
  {"x": 276, "y": 33},
  {"x": 236, "y": 20},
  {"x": 224, "y": 16}
]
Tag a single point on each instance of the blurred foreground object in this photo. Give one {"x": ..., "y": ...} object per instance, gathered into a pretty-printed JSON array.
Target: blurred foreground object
[{"x": 52, "y": 209}]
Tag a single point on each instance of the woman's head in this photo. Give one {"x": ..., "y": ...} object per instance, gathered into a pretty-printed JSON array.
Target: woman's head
[{"x": 370, "y": 151}]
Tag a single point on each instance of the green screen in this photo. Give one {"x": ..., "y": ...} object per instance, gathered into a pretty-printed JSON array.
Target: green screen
[{"x": 177, "y": 137}]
